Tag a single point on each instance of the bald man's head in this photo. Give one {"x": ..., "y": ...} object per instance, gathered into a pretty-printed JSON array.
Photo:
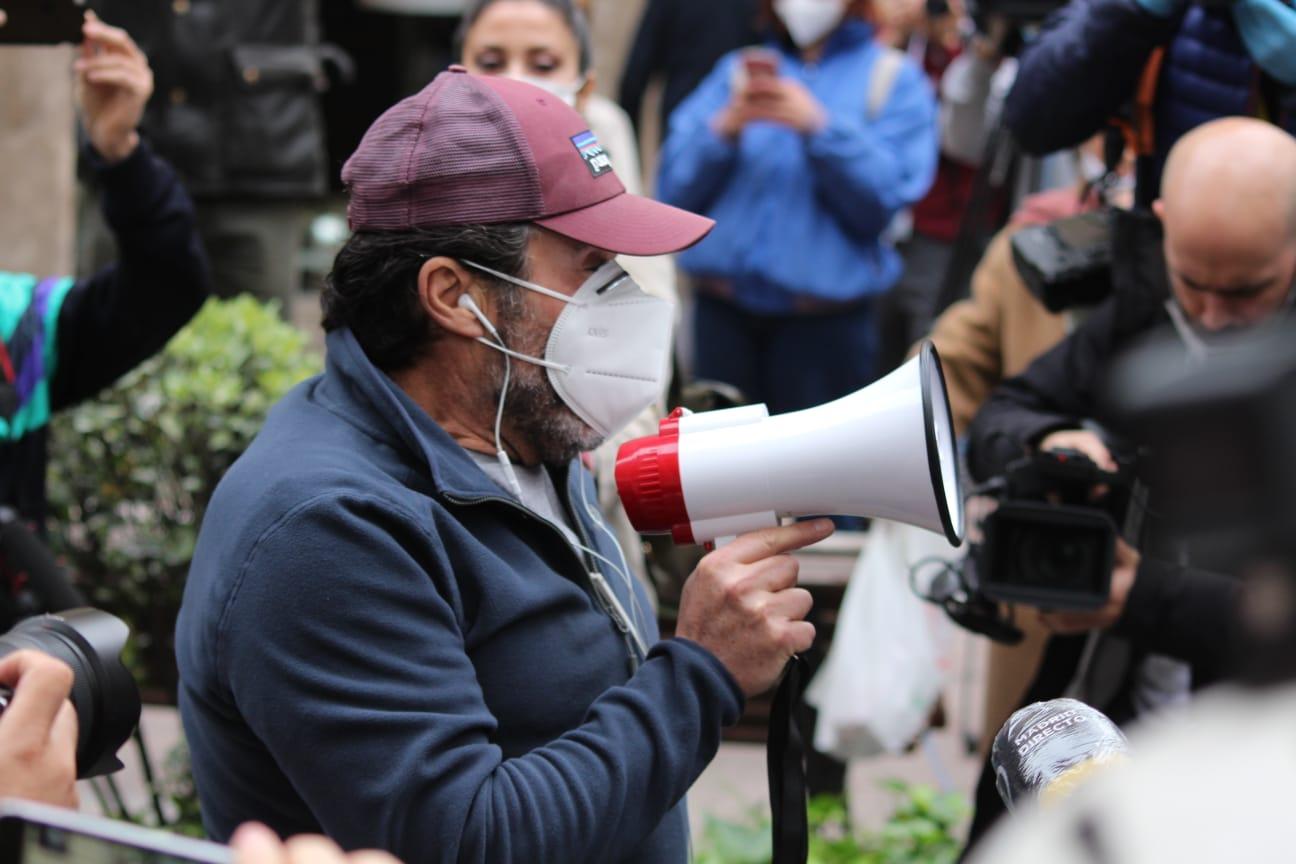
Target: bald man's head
[{"x": 1228, "y": 202}]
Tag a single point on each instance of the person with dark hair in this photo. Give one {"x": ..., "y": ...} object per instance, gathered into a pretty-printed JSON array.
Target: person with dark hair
[
  {"x": 545, "y": 59},
  {"x": 406, "y": 624},
  {"x": 803, "y": 151},
  {"x": 1229, "y": 260},
  {"x": 66, "y": 339}
]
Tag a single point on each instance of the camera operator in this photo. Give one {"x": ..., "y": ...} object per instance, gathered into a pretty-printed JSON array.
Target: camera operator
[
  {"x": 1205, "y": 60},
  {"x": 38, "y": 730},
  {"x": 1230, "y": 255},
  {"x": 1211, "y": 782},
  {"x": 67, "y": 339}
]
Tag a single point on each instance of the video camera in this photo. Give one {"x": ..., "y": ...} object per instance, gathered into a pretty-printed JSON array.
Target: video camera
[
  {"x": 1050, "y": 542},
  {"x": 1046, "y": 540}
]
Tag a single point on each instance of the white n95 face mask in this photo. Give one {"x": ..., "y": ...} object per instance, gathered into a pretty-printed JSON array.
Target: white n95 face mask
[
  {"x": 808, "y": 21},
  {"x": 566, "y": 92},
  {"x": 609, "y": 352}
]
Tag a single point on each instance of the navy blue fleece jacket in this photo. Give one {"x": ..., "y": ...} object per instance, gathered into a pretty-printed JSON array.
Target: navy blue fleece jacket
[{"x": 376, "y": 642}]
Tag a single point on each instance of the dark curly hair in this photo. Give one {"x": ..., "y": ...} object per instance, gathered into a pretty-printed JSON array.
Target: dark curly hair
[{"x": 373, "y": 288}]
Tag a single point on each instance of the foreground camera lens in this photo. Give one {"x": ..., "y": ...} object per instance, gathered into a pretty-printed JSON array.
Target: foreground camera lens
[
  {"x": 1060, "y": 561},
  {"x": 104, "y": 694}
]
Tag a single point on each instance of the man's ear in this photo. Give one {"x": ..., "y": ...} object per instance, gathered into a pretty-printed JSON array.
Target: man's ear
[
  {"x": 1158, "y": 207},
  {"x": 441, "y": 282}
]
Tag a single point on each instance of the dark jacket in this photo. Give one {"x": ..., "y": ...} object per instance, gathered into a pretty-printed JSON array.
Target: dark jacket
[
  {"x": 379, "y": 643},
  {"x": 1087, "y": 63},
  {"x": 1169, "y": 605},
  {"x": 70, "y": 339},
  {"x": 682, "y": 39},
  {"x": 236, "y": 104}
]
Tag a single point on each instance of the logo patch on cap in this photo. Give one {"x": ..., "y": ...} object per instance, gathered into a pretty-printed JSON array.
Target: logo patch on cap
[{"x": 596, "y": 158}]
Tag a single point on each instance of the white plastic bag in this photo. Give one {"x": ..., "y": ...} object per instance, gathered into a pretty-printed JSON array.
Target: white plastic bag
[{"x": 883, "y": 673}]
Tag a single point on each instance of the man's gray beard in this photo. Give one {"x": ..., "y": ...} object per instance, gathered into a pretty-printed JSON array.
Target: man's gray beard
[{"x": 533, "y": 408}]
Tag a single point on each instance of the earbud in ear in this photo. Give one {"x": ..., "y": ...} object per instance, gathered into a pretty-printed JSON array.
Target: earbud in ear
[{"x": 466, "y": 302}]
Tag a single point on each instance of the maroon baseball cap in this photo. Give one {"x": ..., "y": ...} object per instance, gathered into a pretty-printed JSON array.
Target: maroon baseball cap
[{"x": 471, "y": 149}]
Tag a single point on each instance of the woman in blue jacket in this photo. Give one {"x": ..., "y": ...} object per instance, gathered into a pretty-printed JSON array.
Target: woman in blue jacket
[{"x": 802, "y": 155}]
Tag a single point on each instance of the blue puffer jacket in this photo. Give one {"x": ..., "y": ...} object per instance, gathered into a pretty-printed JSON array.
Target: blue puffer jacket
[
  {"x": 803, "y": 215},
  {"x": 379, "y": 644},
  {"x": 1087, "y": 63}
]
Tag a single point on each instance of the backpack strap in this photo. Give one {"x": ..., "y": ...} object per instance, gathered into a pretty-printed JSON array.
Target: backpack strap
[{"x": 886, "y": 68}]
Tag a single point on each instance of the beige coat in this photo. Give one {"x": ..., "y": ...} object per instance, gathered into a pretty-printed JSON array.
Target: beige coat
[{"x": 993, "y": 335}]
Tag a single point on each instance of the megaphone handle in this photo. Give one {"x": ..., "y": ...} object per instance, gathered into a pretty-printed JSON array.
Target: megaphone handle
[{"x": 785, "y": 765}]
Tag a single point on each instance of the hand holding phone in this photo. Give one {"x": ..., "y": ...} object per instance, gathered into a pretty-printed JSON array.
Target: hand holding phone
[
  {"x": 760, "y": 64},
  {"x": 756, "y": 71},
  {"x": 114, "y": 83}
]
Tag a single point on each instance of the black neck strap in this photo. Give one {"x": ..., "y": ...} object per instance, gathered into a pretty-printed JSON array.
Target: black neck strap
[{"x": 785, "y": 764}]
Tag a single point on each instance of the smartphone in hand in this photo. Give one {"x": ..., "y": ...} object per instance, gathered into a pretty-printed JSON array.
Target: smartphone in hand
[
  {"x": 41, "y": 22},
  {"x": 754, "y": 64}
]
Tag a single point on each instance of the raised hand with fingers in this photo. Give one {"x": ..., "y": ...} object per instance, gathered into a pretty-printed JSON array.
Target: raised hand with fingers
[
  {"x": 742, "y": 603},
  {"x": 38, "y": 730},
  {"x": 787, "y": 102},
  {"x": 114, "y": 83}
]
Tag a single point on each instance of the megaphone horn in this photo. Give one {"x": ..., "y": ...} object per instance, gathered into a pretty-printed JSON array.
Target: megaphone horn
[{"x": 885, "y": 452}]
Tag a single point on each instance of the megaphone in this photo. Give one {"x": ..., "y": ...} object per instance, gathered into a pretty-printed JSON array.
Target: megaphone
[{"x": 885, "y": 452}]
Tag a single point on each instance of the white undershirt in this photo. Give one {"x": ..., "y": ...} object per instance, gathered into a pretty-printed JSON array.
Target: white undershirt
[{"x": 539, "y": 494}]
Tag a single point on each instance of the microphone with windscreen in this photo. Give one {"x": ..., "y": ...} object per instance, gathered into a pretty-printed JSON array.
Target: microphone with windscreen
[{"x": 1046, "y": 750}]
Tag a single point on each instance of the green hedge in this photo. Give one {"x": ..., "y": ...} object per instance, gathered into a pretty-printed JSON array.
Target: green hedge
[
  {"x": 923, "y": 829},
  {"x": 132, "y": 471}
]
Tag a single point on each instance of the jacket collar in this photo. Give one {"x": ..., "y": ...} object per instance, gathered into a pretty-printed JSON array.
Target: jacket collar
[{"x": 365, "y": 397}]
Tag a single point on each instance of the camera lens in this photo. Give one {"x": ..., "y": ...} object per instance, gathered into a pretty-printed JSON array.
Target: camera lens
[
  {"x": 104, "y": 694},
  {"x": 1058, "y": 559}
]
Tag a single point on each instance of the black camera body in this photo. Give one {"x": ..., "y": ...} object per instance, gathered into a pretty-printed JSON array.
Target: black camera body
[
  {"x": 1050, "y": 543},
  {"x": 1067, "y": 263}
]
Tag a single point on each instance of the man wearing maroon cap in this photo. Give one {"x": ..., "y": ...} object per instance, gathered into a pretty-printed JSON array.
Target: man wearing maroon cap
[{"x": 406, "y": 625}]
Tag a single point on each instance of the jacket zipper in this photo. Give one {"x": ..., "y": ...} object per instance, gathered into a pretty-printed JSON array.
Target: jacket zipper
[{"x": 599, "y": 588}]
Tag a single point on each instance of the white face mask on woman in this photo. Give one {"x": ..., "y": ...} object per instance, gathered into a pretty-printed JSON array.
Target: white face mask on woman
[
  {"x": 809, "y": 21},
  {"x": 568, "y": 93}
]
